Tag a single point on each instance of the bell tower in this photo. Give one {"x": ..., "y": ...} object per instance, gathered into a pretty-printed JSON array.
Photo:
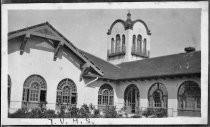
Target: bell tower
[{"x": 128, "y": 40}]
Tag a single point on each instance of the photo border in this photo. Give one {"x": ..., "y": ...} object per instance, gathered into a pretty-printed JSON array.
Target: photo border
[{"x": 118, "y": 121}]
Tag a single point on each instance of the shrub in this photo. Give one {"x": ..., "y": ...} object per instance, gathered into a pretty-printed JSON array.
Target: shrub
[
  {"x": 157, "y": 112},
  {"x": 84, "y": 111},
  {"x": 161, "y": 112},
  {"x": 136, "y": 116},
  {"x": 110, "y": 112},
  {"x": 50, "y": 114},
  {"x": 36, "y": 113},
  {"x": 73, "y": 112},
  {"x": 20, "y": 113},
  {"x": 96, "y": 113}
]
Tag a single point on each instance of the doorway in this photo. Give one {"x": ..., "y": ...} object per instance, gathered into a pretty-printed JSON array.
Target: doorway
[{"x": 131, "y": 98}]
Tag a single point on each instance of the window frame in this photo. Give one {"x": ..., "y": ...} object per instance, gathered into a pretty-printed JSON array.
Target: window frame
[
  {"x": 72, "y": 92},
  {"x": 109, "y": 97}
]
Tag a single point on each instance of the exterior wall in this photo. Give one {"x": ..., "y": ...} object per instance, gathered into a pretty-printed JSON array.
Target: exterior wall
[
  {"x": 38, "y": 59},
  {"x": 172, "y": 86}
]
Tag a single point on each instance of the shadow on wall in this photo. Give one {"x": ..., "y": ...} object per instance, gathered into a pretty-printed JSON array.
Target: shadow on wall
[{"x": 33, "y": 43}]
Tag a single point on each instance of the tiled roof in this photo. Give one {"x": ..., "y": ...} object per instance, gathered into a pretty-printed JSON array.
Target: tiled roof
[
  {"x": 110, "y": 71},
  {"x": 177, "y": 64}
]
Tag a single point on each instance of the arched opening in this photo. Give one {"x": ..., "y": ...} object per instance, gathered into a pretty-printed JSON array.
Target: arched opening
[
  {"x": 66, "y": 94},
  {"x": 139, "y": 40},
  {"x": 158, "y": 96},
  {"x": 34, "y": 92},
  {"x": 118, "y": 43},
  {"x": 189, "y": 99},
  {"x": 123, "y": 43},
  {"x": 9, "y": 90},
  {"x": 131, "y": 99},
  {"x": 105, "y": 96},
  {"x": 144, "y": 46},
  {"x": 112, "y": 45},
  {"x": 134, "y": 43}
]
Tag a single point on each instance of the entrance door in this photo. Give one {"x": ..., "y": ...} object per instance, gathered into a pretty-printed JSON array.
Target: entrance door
[{"x": 131, "y": 98}]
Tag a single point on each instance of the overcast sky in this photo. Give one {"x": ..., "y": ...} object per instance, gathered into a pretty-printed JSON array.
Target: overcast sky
[{"x": 172, "y": 29}]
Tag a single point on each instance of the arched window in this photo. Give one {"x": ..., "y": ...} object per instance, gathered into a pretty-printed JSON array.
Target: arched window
[
  {"x": 9, "y": 90},
  {"x": 131, "y": 98},
  {"x": 105, "y": 96},
  {"x": 189, "y": 95},
  {"x": 66, "y": 93},
  {"x": 34, "y": 91},
  {"x": 144, "y": 46},
  {"x": 123, "y": 42},
  {"x": 139, "y": 40},
  {"x": 134, "y": 43},
  {"x": 118, "y": 43},
  {"x": 158, "y": 96},
  {"x": 112, "y": 45}
]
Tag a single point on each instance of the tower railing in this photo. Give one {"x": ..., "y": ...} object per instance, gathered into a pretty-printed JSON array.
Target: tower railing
[
  {"x": 138, "y": 52},
  {"x": 116, "y": 52}
]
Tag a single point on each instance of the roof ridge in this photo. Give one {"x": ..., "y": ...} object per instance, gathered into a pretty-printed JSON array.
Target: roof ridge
[
  {"x": 28, "y": 27},
  {"x": 159, "y": 57}
]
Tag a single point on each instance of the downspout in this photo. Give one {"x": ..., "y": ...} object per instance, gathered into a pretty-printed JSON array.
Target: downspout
[{"x": 91, "y": 81}]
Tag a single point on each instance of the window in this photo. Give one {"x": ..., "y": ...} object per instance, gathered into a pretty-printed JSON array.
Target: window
[
  {"x": 144, "y": 46},
  {"x": 66, "y": 93},
  {"x": 112, "y": 45},
  {"x": 34, "y": 90},
  {"x": 105, "y": 95},
  {"x": 9, "y": 90},
  {"x": 118, "y": 43},
  {"x": 157, "y": 99},
  {"x": 189, "y": 96},
  {"x": 123, "y": 42},
  {"x": 158, "y": 96},
  {"x": 134, "y": 43},
  {"x": 139, "y": 40}
]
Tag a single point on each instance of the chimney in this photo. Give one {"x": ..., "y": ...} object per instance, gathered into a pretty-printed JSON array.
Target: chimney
[{"x": 189, "y": 49}]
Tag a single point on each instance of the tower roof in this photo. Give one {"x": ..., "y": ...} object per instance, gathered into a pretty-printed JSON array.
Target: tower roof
[{"x": 128, "y": 24}]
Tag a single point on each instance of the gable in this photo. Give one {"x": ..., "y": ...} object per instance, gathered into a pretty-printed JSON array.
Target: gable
[{"x": 45, "y": 30}]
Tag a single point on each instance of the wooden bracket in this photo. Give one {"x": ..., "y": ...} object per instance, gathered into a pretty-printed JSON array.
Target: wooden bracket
[
  {"x": 23, "y": 44},
  {"x": 57, "y": 51}
]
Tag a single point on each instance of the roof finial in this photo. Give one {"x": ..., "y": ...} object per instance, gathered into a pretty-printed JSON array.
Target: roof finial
[{"x": 129, "y": 14}]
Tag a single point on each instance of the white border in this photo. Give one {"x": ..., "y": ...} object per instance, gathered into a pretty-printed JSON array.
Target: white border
[{"x": 135, "y": 5}]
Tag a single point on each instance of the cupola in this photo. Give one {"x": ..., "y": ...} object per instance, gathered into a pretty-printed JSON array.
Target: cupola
[{"x": 128, "y": 40}]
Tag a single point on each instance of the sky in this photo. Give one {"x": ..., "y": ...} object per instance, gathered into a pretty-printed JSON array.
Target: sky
[{"x": 172, "y": 29}]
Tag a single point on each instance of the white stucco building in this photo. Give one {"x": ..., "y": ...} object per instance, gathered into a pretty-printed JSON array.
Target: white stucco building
[{"x": 46, "y": 69}]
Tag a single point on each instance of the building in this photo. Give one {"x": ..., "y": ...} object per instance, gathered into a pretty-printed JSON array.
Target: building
[{"x": 46, "y": 69}]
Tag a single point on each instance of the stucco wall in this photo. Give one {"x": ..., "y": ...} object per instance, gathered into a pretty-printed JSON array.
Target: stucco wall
[
  {"x": 38, "y": 59},
  {"x": 171, "y": 85}
]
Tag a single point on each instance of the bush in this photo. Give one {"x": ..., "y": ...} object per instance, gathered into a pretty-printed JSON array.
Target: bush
[
  {"x": 20, "y": 113},
  {"x": 84, "y": 111},
  {"x": 136, "y": 116},
  {"x": 96, "y": 113},
  {"x": 161, "y": 112},
  {"x": 110, "y": 112},
  {"x": 156, "y": 112},
  {"x": 73, "y": 112},
  {"x": 36, "y": 113},
  {"x": 50, "y": 114}
]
